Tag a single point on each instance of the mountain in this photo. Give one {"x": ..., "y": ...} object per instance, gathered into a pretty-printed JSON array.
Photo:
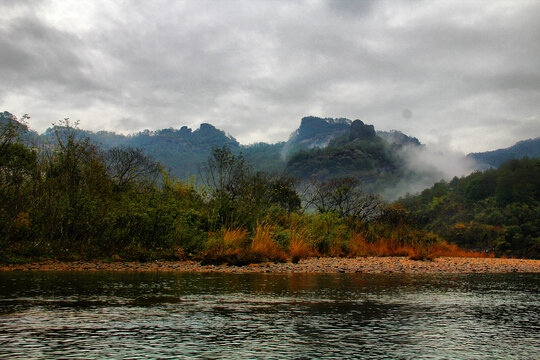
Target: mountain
[
  {"x": 180, "y": 151},
  {"x": 399, "y": 139},
  {"x": 358, "y": 152},
  {"x": 529, "y": 148},
  {"x": 321, "y": 148},
  {"x": 10, "y": 123},
  {"x": 315, "y": 132}
]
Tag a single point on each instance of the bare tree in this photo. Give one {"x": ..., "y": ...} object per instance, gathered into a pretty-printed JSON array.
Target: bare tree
[
  {"x": 224, "y": 172},
  {"x": 128, "y": 165},
  {"x": 345, "y": 197}
]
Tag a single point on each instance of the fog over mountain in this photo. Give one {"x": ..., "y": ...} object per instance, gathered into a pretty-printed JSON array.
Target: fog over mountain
[
  {"x": 460, "y": 74},
  {"x": 390, "y": 163}
]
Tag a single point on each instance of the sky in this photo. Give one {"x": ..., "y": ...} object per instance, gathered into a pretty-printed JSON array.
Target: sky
[{"x": 460, "y": 74}]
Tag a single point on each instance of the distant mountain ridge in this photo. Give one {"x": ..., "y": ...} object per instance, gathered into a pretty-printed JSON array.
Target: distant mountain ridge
[
  {"x": 529, "y": 148},
  {"x": 320, "y": 148}
]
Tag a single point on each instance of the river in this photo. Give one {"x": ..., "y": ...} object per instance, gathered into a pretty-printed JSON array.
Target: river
[{"x": 98, "y": 315}]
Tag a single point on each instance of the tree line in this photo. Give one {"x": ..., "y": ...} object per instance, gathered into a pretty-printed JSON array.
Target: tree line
[
  {"x": 70, "y": 200},
  {"x": 496, "y": 210}
]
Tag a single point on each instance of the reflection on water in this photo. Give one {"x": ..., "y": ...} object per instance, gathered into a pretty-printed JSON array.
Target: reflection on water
[{"x": 303, "y": 316}]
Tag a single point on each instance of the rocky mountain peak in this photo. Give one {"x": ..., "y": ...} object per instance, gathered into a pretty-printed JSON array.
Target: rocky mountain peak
[{"x": 361, "y": 131}]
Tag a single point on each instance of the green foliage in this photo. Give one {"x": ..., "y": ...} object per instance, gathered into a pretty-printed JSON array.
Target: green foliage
[
  {"x": 357, "y": 154},
  {"x": 265, "y": 157},
  {"x": 530, "y": 148},
  {"x": 73, "y": 201},
  {"x": 239, "y": 197},
  {"x": 492, "y": 210}
]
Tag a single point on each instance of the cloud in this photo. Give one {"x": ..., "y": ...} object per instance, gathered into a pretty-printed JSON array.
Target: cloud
[
  {"x": 254, "y": 69},
  {"x": 425, "y": 166}
]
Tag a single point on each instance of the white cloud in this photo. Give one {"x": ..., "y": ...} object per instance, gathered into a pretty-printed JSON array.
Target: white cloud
[{"x": 465, "y": 70}]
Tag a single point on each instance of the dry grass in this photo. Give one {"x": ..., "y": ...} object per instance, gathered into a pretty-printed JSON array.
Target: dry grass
[
  {"x": 234, "y": 238},
  {"x": 359, "y": 246},
  {"x": 299, "y": 248},
  {"x": 226, "y": 246},
  {"x": 422, "y": 253},
  {"x": 444, "y": 249},
  {"x": 263, "y": 247},
  {"x": 233, "y": 246}
]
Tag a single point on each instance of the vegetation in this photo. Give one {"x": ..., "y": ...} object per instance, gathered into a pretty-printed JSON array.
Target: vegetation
[
  {"x": 496, "y": 210},
  {"x": 63, "y": 197},
  {"x": 495, "y": 158},
  {"x": 359, "y": 153},
  {"x": 319, "y": 148},
  {"x": 70, "y": 200}
]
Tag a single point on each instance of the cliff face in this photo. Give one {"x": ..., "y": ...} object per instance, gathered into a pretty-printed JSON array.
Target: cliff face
[
  {"x": 354, "y": 152},
  {"x": 361, "y": 131},
  {"x": 398, "y": 138},
  {"x": 315, "y": 132},
  {"x": 312, "y": 127}
]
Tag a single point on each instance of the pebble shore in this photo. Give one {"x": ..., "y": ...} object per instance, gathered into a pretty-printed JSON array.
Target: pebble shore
[{"x": 313, "y": 265}]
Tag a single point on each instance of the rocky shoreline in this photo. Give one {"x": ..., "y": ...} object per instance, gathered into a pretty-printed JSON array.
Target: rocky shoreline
[{"x": 313, "y": 265}]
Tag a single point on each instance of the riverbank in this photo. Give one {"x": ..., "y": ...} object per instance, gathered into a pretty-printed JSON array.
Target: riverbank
[{"x": 313, "y": 265}]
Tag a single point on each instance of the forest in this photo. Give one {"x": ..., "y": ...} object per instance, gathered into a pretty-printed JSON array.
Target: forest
[
  {"x": 496, "y": 210},
  {"x": 72, "y": 200}
]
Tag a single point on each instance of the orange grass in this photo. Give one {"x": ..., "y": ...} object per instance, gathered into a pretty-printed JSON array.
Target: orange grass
[
  {"x": 299, "y": 248},
  {"x": 359, "y": 246},
  {"x": 444, "y": 249},
  {"x": 233, "y": 246},
  {"x": 234, "y": 238},
  {"x": 263, "y": 246},
  {"x": 227, "y": 246}
]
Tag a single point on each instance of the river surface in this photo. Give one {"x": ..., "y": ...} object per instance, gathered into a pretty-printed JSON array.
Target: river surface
[{"x": 105, "y": 315}]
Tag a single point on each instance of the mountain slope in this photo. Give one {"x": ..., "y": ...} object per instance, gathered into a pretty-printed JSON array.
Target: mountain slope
[
  {"x": 179, "y": 151},
  {"x": 315, "y": 132},
  {"x": 495, "y": 210},
  {"x": 322, "y": 148},
  {"x": 358, "y": 153},
  {"x": 495, "y": 158}
]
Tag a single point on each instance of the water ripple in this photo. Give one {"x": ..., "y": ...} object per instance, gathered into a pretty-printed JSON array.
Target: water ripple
[{"x": 268, "y": 316}]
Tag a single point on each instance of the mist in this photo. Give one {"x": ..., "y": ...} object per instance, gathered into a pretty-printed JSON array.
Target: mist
[{"x": 426, "y": 165}]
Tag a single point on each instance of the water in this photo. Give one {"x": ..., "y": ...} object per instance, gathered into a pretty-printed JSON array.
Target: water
[{"x": 268, "y": 316}]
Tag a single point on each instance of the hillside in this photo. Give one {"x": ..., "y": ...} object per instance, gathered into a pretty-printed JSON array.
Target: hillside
[
  {"x": 180, "y": 151},
  {"x": 495, "y": 158},
  {"x": 359, "y": 152},
  {"x": 495, "y": 210},
  {"x": 321, "y": 148},
  {"x": 315, "y": 132}
]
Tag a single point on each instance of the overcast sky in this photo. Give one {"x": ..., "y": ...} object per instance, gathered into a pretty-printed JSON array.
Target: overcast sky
[{"x": 463, "y": 74}]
